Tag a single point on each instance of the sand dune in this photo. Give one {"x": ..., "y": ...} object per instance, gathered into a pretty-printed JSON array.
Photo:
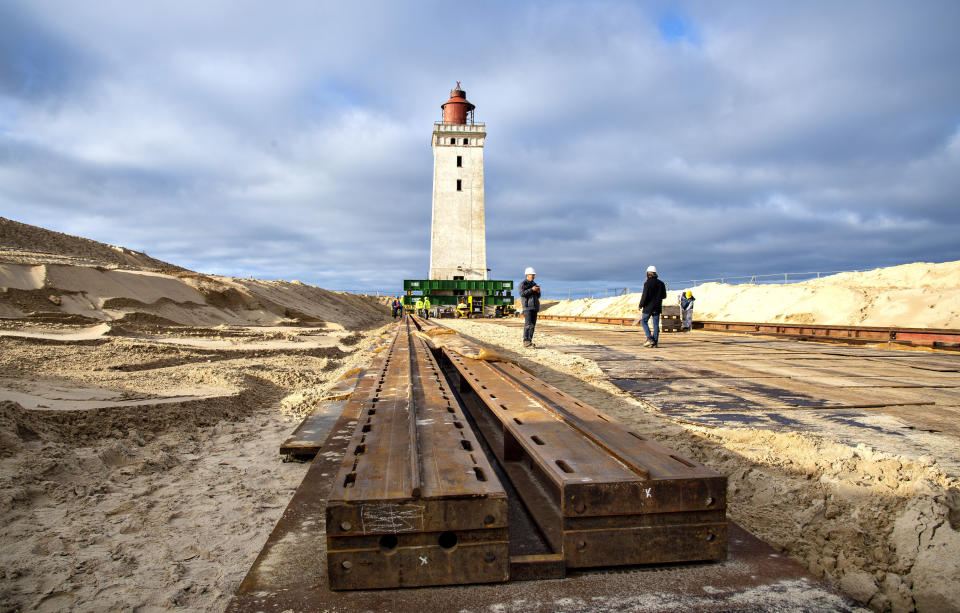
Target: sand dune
[
  {"x": 48, "y": 276},
  {"x": 919, "y": 295}
]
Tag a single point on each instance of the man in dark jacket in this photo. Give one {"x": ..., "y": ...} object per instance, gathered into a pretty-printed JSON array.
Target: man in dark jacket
[
  {"x": 651, "y": 305},
  {"x": 530, "y": 301}
]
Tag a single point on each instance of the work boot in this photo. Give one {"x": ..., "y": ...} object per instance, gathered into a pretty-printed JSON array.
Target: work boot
[
  {"x": 527, "y": 343},
  {"x": 649, "y": 343}
]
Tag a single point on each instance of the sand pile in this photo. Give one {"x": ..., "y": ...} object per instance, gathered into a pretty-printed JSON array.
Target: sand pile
[
  {"x": 33, "y": 242},
  {"x": 142, "y": 407},
  {"x": 919, "y": 295},
  {"x": 48, "y": 276}
]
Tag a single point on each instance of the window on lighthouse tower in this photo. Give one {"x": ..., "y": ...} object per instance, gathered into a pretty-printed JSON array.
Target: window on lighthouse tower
[
  {"x": 459, "y": 161},
  {"x": 459, "y": 185}
]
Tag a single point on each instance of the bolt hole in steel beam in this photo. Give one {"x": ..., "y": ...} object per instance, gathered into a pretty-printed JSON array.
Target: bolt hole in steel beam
[
  {"x": 350, "y": 480},
  {"x": 389, "y": 542},
  {"x": 458, "y": 424},
  {"x": 537, "y": 440},
  {"x": 518, "y": 421},
  {"x": 711, "y": 536},
  {"x": 360, "y": 450},
  {"x": 366, "y": 428},
  {"x": 564, "y": 466},
  {"x": 479, "y": 472},
  {"x": 447, "y": 540},
  {"x": 466, "y": 445}
]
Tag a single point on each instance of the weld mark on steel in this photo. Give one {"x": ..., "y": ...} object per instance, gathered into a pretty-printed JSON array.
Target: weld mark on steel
[{"x": 391, "y": 518}]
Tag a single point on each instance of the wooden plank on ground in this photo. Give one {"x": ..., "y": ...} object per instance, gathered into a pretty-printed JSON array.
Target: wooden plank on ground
[{"x": 307, "y": 440}]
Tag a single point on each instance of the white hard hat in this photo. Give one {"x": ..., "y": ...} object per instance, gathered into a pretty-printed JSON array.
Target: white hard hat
[
  {"x": 529, "y": 271},
  {"x": 652, "y": 269}
]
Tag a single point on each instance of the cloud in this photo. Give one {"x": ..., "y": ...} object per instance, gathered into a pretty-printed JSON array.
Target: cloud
[{"x": 293, "y": 142}]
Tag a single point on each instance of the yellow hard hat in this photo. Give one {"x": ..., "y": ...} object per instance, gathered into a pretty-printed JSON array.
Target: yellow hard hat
[{"x": 689, "y": 294}]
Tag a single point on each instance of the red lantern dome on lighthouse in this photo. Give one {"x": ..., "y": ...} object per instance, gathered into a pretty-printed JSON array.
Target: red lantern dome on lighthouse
[{"x": 457, "y": 110}]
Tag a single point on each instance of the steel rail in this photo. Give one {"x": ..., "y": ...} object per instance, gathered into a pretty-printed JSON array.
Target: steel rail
[
  {"x": 921, "y": 337},
  {"x": 600, "y": 493},
  {"x": 413, "y": 502}
]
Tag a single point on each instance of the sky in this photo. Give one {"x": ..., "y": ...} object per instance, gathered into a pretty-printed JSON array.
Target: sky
[{"x": 291, "y": 140}]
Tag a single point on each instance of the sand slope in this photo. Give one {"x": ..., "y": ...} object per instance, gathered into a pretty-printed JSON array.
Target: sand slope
[
  {"x": 919, "y": 295},
  {"x": 48, "y": 276},
  {"x": 31, "y": 240}
]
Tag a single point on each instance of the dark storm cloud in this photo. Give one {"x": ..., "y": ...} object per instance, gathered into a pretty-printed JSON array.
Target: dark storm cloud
[{"x": 711, "y": 139}]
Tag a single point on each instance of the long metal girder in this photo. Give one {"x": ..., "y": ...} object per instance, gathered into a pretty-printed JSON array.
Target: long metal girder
[
  {"x": 415, "y": 501},
  {"x": 602, "y": 494}
]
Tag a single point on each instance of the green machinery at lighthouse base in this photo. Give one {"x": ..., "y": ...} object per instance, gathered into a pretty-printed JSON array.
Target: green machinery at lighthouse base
[{"x": 451, "y": 292}]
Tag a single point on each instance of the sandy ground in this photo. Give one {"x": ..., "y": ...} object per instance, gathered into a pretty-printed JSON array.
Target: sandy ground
[
  {"x": 884, "y": 528},
  {"x": 113, "y": 499},
  {"x": 919, "y": 295}
]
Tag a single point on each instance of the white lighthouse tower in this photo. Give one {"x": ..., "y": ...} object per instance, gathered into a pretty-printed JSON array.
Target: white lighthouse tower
[{"x": 458, "y": 241}]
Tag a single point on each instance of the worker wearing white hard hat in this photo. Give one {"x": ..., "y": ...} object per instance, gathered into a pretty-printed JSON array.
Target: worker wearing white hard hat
[
  {"x": 530, "y": 300},
  {"x": 651, "y": 305}
]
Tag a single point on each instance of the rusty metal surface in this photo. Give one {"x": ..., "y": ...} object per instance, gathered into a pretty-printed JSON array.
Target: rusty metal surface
[
  {"x": 415, "y": 501},
  {"x": 602, "y": 495},
  {"x": 948, "y": 340},
  {"x": 307, "y": 440},
  {"x": 290, "y": 574},
  {"x": 754, "y": 577}
]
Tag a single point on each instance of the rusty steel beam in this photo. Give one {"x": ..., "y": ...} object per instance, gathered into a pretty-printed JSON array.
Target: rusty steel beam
[
  {"x": 919, "y": 337},
  {"x": 602, "y": 495},
  {"x": 415, "y": 501}
]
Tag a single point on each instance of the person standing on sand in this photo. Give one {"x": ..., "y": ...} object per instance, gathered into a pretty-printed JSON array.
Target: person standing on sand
[
  {"x": 685, "y": 300},
  {"x": 396, "y": 307},
  {"x": 651, "y": 305},
  {"x": 530, "y": 299}
]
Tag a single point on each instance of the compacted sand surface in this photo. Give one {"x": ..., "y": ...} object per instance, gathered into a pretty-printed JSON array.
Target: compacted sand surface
[
  {"x": 122, "y": 492},
  {"x": 885, "y": 528}
]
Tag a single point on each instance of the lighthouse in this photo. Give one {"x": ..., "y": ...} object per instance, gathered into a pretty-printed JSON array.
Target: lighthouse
[{"x": 458, "y": 241}]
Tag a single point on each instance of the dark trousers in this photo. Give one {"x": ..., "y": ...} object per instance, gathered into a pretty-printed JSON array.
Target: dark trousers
[
  {"x": 655, "y": 337},
  {"x": 395, "y": 312},
  {"x": 529, "y": 323}
]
